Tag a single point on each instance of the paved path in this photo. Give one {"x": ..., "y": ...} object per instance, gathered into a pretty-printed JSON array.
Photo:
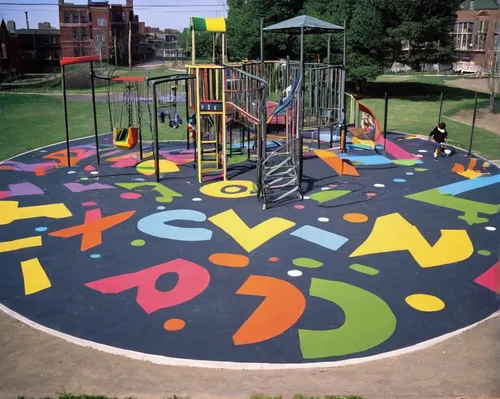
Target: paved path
[{"x": 37, "y": 364}]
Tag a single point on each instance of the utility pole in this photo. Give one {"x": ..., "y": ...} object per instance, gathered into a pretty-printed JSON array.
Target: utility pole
[
  {"x": 130, "y": 45},
  {"x": 116, "y": 52}
]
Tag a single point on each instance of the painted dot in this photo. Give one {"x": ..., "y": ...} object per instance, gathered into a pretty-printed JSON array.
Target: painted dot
[
  {"x": 380, "y": 185},
  {"x": 299, "y": 206},
  {"x": 196, "y": 199},
  {"x": 71, "y": 172},
  {"x": 229, "y": 260},
  {"x": 364, "y": 269},
  {"x": 490, "y": 228},
  {"x": 130, "y": 196},
  {"x": 88, "y": 168},
  {"x": 306, "y": 197},
  {"x": 409, "y": 173},
  {"x": 84, "y": 178},
  {"x": 425, "y": 303},
  {"x": 174, "y": 325},
  {"x": 307, "y": 262},
  {"x": 325, "y": 188},
  {"x": 232, "y": 190},
  {"x": 274, "y": 259},
  {"x": 419, "y": 155},
  {"x": 161, "y": 208},
  {"x": 43, "y": 151},
  {"x": 95, "y": 172},
  {"x": 422, "y": 150},
  {"x": 371, "y": 195},
  {"x": 41, "y": 229},
  {"x": 482, "y": 252},
  {"x": 188, "y": 182},
  {"x": 95, "y": 256},
  {"x": 323, "y": 220},
  {"x": 139, "y": 179},
  {"x": 294, "y": 273},
  {"x": 399, "y": 180},
  {"x": 420, "y": 169},
  {"x": 355, "y": 217},
  {"x": 332, "y": 185},
  {"x": 89, "y": 203},
  {"x": 138, "y": 243}
]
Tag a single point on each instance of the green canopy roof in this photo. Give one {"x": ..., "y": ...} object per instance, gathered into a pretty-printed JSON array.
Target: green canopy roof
[{"x": 309, "y": 24}]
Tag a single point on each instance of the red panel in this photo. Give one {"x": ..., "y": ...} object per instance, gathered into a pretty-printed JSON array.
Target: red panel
[
  {"x": 78, "y": 60},
  {"x": 128, "y": 79}
]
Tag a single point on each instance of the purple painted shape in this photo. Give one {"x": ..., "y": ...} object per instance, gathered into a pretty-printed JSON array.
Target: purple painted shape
[
  {"x": 78, "y": 188},
  {"x": 112, "y": 153},
  {"x": 180, "y": 158},
  {"x": 22, "y": 167},
  {"x": 24, "y": 189}
]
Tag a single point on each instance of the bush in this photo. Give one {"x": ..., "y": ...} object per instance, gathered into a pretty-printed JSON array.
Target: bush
[{"x": 80, "y": 79}]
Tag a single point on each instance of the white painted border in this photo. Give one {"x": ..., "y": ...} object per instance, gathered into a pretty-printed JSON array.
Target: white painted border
[{"x": 172, "y": 361}]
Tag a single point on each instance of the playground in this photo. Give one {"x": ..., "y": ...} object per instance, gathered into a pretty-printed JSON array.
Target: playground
[{"x": 288, "y": 234}]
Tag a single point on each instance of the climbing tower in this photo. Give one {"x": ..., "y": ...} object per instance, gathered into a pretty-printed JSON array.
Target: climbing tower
[{"x": 207, "y": 100}]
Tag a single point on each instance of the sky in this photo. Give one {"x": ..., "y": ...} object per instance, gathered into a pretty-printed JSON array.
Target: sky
[{"x": 173, "y": 14}]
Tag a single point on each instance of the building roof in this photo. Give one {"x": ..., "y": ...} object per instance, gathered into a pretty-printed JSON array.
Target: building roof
[
  {"x": 37, "y": 32},
  {"x": 480, "y": 5},
  {"x": 309, "y": 24}
]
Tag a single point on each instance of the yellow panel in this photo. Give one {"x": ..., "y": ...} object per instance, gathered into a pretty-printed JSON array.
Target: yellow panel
[
  {"x": 14, "y": 245},
  {"x": 215, "y": 24},
  {"x": 35, "y": 278}
]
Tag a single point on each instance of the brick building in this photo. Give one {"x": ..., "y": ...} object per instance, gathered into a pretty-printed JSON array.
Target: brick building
[
  {"x": 476, "y": 36},
  {"x": 100, "y": 28}
]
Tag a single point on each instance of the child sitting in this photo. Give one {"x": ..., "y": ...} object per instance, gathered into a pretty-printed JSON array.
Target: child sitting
[{"x": 439, "y": 135}]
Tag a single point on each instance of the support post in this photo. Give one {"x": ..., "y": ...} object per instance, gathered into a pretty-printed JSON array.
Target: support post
[
  {"x": 440, "y": 108},
  {"x": 386, "y": 110},
  {"x": 130, "y": 45},
  {"x": 156, "y": 152},
  {"x": 301, "y": 105},
  {"x": 231, "y": 140},
  {"x": 94, "y": 113},
  {"x": 186, "y": 82},
  {"x": 65, "y": 110},
  {"x": 329, "y": 43},
  {"x": 469, "y": 153},
  {"x": 193, "y": 46},
  {"x": 116, "y": 51},
  {"x": 343, "y": 130}
]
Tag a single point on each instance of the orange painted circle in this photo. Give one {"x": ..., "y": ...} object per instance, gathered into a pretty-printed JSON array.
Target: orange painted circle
[
  {"x": 229, "y": 260},
  {"x": 174, "y": 325},
  {"x": 274, "y": 259},
  {"x": 355, "y": 217}
]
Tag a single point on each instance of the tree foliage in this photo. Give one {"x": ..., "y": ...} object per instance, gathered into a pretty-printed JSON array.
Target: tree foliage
[{"x": 376, "y": 31}]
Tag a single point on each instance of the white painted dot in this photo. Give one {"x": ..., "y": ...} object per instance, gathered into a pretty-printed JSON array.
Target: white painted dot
[
  {"x": 422, "y": 150},
  {"x": 84, "y": 178},
  {"x": 71, "y": 172},
  {"x": 294, "y": 273},
  {"x": 490, "y": 228},
  {"x": 306, "y": 197},
  {"x": 419, "y": 156},
  {"x": 325, "y": 188},
  {"x": 161, "y": 208},
  {"x": 95, "y": 172},
  {"x": 323, "y": 220},
  {"x": 379, "y": 185},
  {"x": 409, "y": 173},
  {"x": 196, "y": 199}
]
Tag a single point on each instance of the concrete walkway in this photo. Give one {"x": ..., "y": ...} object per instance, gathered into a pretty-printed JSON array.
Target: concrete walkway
[{"x": 36, "y": 364}]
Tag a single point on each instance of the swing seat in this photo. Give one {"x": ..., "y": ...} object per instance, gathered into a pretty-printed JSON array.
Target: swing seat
[{"x": 125, "y": 138}]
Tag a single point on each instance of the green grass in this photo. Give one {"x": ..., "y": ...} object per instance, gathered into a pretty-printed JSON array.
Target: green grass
[
  {"x": 300, "y": 396},
  {"x": 31, "y": 121}
]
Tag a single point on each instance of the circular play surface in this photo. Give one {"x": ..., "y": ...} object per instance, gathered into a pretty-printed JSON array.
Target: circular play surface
[{"x": 400, "y": 255}]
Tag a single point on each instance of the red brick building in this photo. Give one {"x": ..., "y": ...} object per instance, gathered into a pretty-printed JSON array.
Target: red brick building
[
  {"x": 100, "y": 28},
  {"x": 476, "y": 36}
]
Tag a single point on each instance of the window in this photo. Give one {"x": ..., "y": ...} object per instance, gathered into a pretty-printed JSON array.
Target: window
[
  {"x": 481, "y": 34},
  {"x": 76, "y": 17},
  {"x": 101, "y": 22},
  {"x": 67, "y": 17},
  {"x": 123, "y": 17},
  {"x": 54, "y": 40},
  {"x": 75, "y": 33},
  {"x": 56, "y": 54},
  {"x": 463, "y": 35},
  {"x": 85, "y": 17},
  {"x": 2, "y": 36},
  {"x": 85, "y": 34},
  {"x": 85, "y": 51},
  {"x": 76, "y": 51}
]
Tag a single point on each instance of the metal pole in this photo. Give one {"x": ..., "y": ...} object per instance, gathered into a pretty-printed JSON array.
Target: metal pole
[
  {"x": 386, "y": 108},
  {"x": 139, "y": 119},
  {"x": 94, "y": 114},
  {"x": 440, "y": 107},
  {"x": 342, "y": 89},
  {"x": 469, "y": 154},
  {"x": 328, "y": 48},
  {"x": 156, "y": 152},
  {"x": 65, "y": 109},
  {"x": 231, "y": 140},
  {"x": 187, "y": 112},
  {"x": 263, "y": 116},
  {"x": 301, "y": 105}
]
